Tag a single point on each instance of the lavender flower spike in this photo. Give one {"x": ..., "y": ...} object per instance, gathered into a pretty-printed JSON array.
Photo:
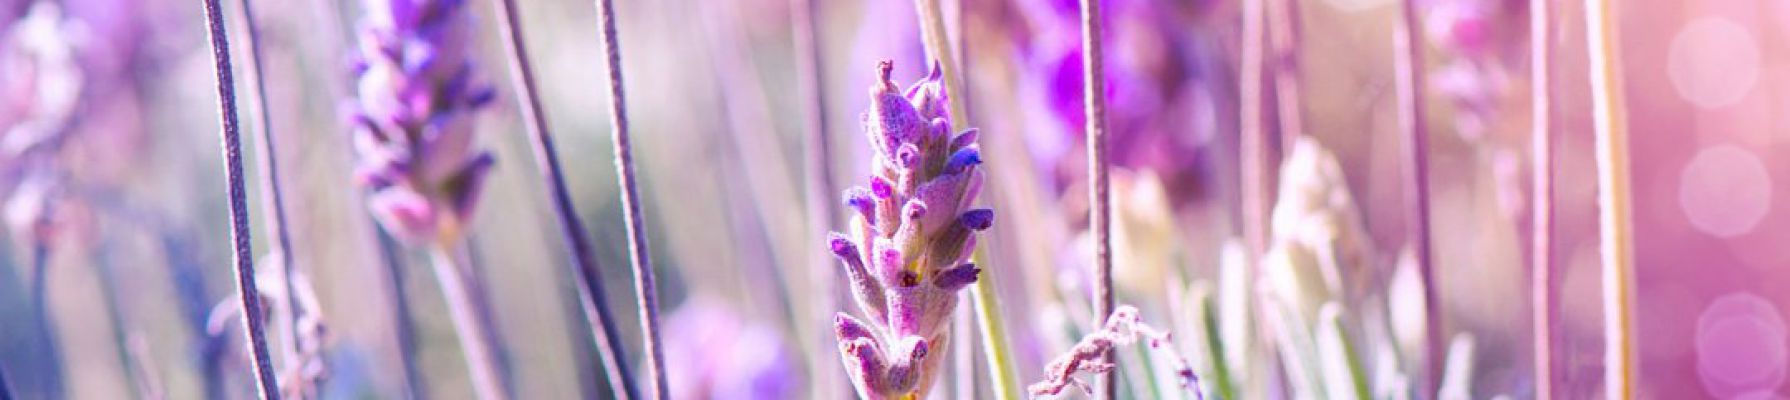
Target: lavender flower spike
[
  {"x": 912, "y": 235},
  {"x": 414, "y": 128}
]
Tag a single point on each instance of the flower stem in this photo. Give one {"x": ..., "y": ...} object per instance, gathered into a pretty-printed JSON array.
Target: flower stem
[
  {"x": 645, "y": 287},
  {"x": 404, "y": 323},
  {"x": 1283, "y": 37},
  {"x": 1254, "y": 182},
  {"x": 1099, "y": 200},
  {"x": 273, "y": 200},
  {"x": 1411, "y": 83},
  {"x": 593, "y": 299},
  {"x": 1541, "y": 246},
  {"x": 477, "y": 340},
  {"x": 49, "y": 346},
  {"x": 253, "y": 314},
  {"x": 821, "y": 218},
  {"x": 988, "y": 310},
  {"x": 1611, "y": 125}
]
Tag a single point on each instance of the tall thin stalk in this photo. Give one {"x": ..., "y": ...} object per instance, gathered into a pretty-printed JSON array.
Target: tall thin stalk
[
  {"x": 1414, "y": 126},
  {"x": 591, "y": 294},
  {"x": 1283, "y": 36},
  {"x": 988, "y": 310},
  {"x": 267, "y": 166},
  {"x": 1541, "y": 252},
  {"x": 821, "y": 218},
  {"x": 404, "y": 323},
  {"x": 1099, "y": 200},
  {"x": 646, "y": 289},
  {"x": 1615, "y": 229},
  {"x": 1254, "y": 182},
  {"x": 478, "y": 342},
  {"x": 1253, "y": 145},
  {"x": 49, "y": 346},
  {"x": 253, "y": 314}
]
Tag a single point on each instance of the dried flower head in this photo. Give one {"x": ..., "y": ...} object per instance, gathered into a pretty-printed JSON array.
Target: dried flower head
[
  {"x": 908, "y": 252},
  {"x": 1122, "y": 328},
  {"x": 413, "y": 126}
]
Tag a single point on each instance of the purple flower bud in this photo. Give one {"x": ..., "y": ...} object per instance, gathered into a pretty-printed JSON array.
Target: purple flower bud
[
  {"x": 881, "y": 188},
  {"x": 415, "y": 89},
  {"x": 957, "y": 277},
  {"x": 978, "y": 219},
  {"x": 966, "y": 138},
  {"x": 964, "y": 159},
  {"x": 907, "y": 360},
  {"x": 860, "y": 199},
  {"x": 843, "y": 247},
  {"x": 865, "y": 290},
  {"x": 864, "y": 363},
  {"x": 848, "y": 328}
]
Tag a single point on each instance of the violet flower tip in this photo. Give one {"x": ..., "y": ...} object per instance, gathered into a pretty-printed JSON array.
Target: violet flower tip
[
  {"x": 881, "y": 188},
  {"x": 978, "y": 219},
  {"x": 841, "y": 245},
  {"x": 964, "y": 159}
]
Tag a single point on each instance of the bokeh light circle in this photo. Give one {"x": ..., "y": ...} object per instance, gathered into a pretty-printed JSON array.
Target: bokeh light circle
[
  {"x": 1724, "y": 191},
  {"x": 1741, "y": 346},
  {"x": 1713, "y": 62}
]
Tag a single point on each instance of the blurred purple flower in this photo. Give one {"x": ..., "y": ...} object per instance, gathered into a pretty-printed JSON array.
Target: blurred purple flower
[
  {"x": 1159, "y": 111},
  {"x": 414, "y": 127},
  {"x": 909, "y": 249},
  {"x": 712, "y": 353},
  {"x": 1479, "y": 40}
]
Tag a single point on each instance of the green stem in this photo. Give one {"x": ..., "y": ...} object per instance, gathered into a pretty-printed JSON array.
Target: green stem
[
  {"x": 1616, "y": 231},
  {"x": 988, "y": 310},
  {"x": 994, "y": 332}
]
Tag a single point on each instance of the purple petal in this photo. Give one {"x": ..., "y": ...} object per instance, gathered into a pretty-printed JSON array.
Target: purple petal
[
  {"x": 977, "y": 219},
  {"x": 957, "y": 277}
]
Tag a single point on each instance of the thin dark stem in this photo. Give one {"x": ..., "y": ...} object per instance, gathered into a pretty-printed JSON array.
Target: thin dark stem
[
  {"x": 404, "y": 323},
  {"x": 273, "y": 200},
  {"x": 644, "y": 283},
  {"x": 49, "y": 346},
  {"x": 1410, "y": 84},
  {"x": 253, "y": 315},
  {"x": 592, "y": 297},
  {"x": 820, "y": 191},
  {"x": 1542, "y": 245},
  {"x": 1099, "y": 201}
]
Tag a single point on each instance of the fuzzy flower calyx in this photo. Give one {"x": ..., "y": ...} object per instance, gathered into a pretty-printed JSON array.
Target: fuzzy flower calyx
[
  {"x": 911, "y": 237},
  {"x": 413, "y": 125}
]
